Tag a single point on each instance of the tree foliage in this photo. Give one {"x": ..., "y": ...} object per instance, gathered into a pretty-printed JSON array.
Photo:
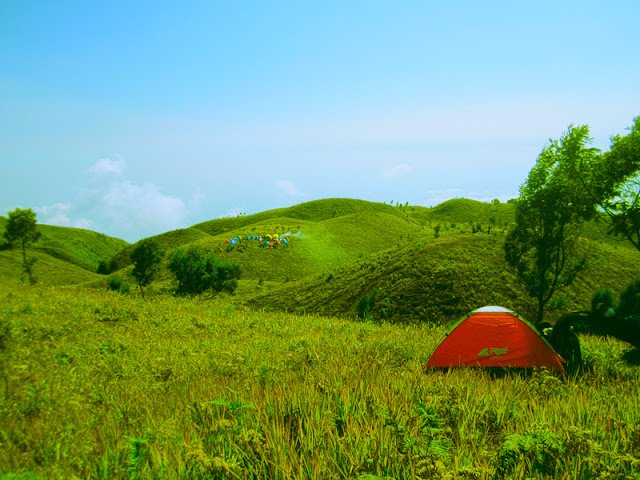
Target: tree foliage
[
  {"x": 543, "y": 247},
  {"x": 197, "y": 271},
  {"x": 619, "y": 319},
  {"x": 22, "y": 228},
  {"x": 622, "y": 163},
  {"x": 572, "y": 183},
  {"x": 146, "y": 256}
]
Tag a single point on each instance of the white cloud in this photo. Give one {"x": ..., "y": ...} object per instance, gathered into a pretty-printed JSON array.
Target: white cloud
[
  {"x": 106, "y": 166},
  {"x": 397, "y": 170},
  {"x": 57, "y": 214},
  {"x": 60, "y": 214},
  {"x": 141, "y": 208},
  {"x": 288, "y": 188}
]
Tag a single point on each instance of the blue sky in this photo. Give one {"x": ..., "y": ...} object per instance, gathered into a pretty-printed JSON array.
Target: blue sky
[{"x": 134, "y": 118}]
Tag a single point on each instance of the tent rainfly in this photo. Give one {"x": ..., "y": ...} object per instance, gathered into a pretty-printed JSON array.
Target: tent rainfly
[{"x": 494, "y": 337}]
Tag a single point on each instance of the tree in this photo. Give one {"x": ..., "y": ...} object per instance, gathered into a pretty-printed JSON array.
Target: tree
[
  {"x": 197, "y": 271},
  {"x": 146, "y": 256},
  {"x": 105, "y": 268},
  {"x": 543, "y": 246},
  {"x": 21, "y": 227},
  {"x": 622, "y": 165}
]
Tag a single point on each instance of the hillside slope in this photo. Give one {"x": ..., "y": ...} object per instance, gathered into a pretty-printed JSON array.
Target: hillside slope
[
  {"x": 64, "y": 255},
  {"x": 464, "y": 210},
  {"x": 48, "y": 270},
  {"x": 314, "y": 211},
  {"x": 84, "y": 248},
  {"x": 441, "y": 280},
  {"x": 323, "y": 235}
]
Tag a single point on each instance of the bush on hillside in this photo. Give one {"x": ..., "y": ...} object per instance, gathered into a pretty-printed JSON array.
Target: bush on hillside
[
  {"x": 602, "y": 300},
  {"x": 630, "y": 300},
  {"x": 117, "y": 284},
  {"x": 621, "y": 320},
  {"x": 106, "y": 267},
  {"x": 365, "y": 305},
  {"x": 197, "y": 271}
]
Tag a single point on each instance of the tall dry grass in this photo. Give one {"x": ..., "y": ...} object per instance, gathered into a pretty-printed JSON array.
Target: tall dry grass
[{"x": 98, "y": 385}]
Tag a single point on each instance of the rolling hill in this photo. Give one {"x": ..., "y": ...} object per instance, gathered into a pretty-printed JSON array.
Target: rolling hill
[
  {"x": 64, "y": 255},
  {"x": 441, "y": 280},
  {"x": 409, "y": 263}
]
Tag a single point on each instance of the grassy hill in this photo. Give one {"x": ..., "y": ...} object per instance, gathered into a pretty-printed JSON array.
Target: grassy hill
[
  {"x": 279, "y": 382},
  {"x": 344, "y": 251},
  {"x": 166, "y": 241},
  {"x": 83, "y": 248},
  {"x": 463, "y": 210},
  {"x": 48, "y": 270},
  {"x": 64, "y": 255},
  {"x": 317, "y": 246},
  {"x": 315, "y": 211},
  {"x": 441, "y": 280},
  {"x": 323, "y": 235}
]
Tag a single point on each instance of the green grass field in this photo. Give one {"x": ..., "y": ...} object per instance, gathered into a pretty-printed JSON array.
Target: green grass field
[
  {"x": 282, "y": 379},
  {"x": 100, "y": 385}
]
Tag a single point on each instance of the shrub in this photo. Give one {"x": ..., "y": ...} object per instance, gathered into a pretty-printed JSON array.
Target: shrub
[
  {"x": 602, "y": 300},
  {"x": 629, "y": 312},
  {"x": 630, "y": 300},
  {"x": 366, "y": 304},
  {"x": 623, "y": 321},
  {"x": 197, "y": 271},
  {"x": 538, "y": 452},
  {"x": 117, "y": 284},
  {"x": 105, "y": 268}
]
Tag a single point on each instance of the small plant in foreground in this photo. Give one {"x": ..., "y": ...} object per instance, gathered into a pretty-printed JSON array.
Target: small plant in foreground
[{"x": 538, "y": 451}]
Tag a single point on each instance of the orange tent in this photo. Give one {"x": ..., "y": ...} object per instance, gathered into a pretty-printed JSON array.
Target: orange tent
[{"x": 494, "y": 337}]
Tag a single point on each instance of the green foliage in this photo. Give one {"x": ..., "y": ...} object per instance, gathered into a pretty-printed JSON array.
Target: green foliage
[
  {"x": 630, "y": 300},
  {"x": 197, "y": 271},
  {"x": 97, "y": 385},
  {"x": 621, "y": 319},
  {"x": 602, "y": 301},
  {"x": 117, "y": 284},
  {"x": 621, "y": 166},
  {"x": 146, "y": 256},
  {"x": 365, "y": 305},
  {"x": 537, "y": 452},
  {"x": 543, "y": 247},
  {"x": 21, "y": 228},
  {"x": 629, "y": 313},
  {"x": 106, "y": 267},
  {"x": 558, "y": 302},
  {"x": 138, "y": 453}
]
